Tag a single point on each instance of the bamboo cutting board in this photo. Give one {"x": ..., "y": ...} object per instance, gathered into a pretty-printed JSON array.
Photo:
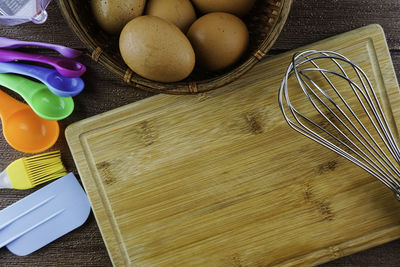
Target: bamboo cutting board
[{"x": 219, "y": 179}]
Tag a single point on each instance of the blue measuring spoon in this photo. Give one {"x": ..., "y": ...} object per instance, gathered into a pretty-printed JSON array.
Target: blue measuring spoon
[{"x": 58, "y": 84}]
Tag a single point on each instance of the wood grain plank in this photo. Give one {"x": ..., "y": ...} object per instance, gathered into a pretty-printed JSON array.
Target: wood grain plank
[{"x": 182, "y": 180}]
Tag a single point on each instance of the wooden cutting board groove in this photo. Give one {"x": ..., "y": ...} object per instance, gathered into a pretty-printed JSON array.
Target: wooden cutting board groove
[{"x": 219, "y": 179}]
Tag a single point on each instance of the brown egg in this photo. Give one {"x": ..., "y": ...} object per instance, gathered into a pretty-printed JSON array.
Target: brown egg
[
  {"x": 113, "y": 15},
  {"x": 218, "y": 39},
  {"x": 156, "y": 49},
  {"x": 179, "y": 12},
  {"x": 237, "y": 7}
]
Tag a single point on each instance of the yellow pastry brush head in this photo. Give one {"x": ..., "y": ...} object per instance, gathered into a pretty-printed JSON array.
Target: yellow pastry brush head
[{"x": 29, "y": 172}]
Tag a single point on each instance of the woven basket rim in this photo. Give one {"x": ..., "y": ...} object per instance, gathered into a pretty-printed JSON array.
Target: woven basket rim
[{"x": 279, "y": 13}]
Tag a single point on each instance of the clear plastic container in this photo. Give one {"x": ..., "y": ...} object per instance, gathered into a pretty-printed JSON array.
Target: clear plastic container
[{"x": 14, "y": 12}]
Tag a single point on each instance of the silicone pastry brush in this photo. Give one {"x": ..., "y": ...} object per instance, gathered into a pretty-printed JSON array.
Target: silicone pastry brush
[{"x": 28, "y": 172}]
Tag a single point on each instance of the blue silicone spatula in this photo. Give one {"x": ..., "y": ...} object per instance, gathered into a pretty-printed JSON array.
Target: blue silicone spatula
[{"x": 44, "y": 216}]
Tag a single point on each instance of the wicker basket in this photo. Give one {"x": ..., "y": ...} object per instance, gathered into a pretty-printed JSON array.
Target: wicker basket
[{"x": 265, "y": 23}]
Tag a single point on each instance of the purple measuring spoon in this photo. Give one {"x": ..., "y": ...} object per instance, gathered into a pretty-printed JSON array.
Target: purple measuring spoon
[
  {"x": 66, "y": 67},
  {"x": 63, "y": 50}
]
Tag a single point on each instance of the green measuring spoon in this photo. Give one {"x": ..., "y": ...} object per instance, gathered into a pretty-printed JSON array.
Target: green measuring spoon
[{"x": 43, "y": 102}]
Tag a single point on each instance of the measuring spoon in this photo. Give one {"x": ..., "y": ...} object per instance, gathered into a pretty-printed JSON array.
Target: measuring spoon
[
  {"x": 66, "y": 67},
  {"x": 58, "y": 84},
  {"x": 45, "y": 104},
  {"x": 63, "y": 50},
  {"x": 23, "y": 129}
]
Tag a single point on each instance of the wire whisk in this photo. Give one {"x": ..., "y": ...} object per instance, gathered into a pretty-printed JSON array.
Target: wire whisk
[{"x": 331, "y": 100}]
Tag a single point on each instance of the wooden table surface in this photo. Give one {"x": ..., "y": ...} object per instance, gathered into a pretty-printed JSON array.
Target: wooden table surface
[{"x": 309, "y": 21}]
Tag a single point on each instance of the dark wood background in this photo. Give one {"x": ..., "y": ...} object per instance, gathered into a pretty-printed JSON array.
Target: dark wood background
[{"x": 309, "y": 21}]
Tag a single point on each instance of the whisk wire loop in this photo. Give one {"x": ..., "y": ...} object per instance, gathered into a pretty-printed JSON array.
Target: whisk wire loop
[
  {"x": 342, "y": 122},
  {"x": 354, "y": 126}
]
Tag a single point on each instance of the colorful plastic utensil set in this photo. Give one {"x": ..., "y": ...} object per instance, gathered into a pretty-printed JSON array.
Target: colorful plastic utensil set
[
  {"x": 33, "y": 128},
  {"x": 61, "y": 206}
]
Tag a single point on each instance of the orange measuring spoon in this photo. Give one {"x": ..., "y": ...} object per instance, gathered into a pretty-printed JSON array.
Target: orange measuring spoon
[{"x": 23, "y": 129}]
